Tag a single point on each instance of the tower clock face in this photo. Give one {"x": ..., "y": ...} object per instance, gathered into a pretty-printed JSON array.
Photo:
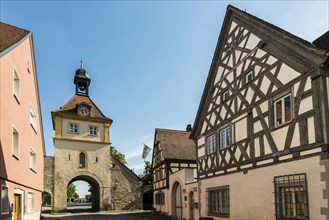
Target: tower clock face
[{"x": 83, "y": 110}]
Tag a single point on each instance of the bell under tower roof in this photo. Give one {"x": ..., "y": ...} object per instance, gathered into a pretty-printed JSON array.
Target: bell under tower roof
[{"x": 81, "y": 81}]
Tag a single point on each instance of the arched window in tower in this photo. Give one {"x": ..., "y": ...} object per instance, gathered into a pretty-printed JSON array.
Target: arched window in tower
[{"x": 82, "y": 160}]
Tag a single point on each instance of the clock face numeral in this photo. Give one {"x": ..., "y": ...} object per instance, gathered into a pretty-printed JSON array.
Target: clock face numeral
[{"x": 83, "y": 111}]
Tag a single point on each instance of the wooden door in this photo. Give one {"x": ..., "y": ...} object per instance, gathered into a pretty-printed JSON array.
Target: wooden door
[{"x": 18, "y": 207}]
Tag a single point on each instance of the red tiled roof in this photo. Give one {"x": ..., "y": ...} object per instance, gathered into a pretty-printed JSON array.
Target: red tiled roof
[
  {"x": 71, "y": 107},
  {"x": 9, "y": 35}
]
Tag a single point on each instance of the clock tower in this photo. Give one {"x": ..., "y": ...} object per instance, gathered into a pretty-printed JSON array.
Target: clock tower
[{"x": 82, "y": 147}]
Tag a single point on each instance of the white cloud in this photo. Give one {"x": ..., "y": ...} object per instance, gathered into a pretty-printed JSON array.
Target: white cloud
[{"x": 132, "y": 154}]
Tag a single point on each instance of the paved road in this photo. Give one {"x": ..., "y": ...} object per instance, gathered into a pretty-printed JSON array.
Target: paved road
[{"x": 110, "y": 216}]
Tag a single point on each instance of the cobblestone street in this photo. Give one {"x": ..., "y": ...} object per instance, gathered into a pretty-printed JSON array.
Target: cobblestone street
[{"x": 104, "y": 215}]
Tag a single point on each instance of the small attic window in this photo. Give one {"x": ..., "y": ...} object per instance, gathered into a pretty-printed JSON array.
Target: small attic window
[{"x": 226, "y": 95}]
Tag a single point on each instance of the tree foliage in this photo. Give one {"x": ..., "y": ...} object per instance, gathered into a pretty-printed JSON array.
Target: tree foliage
[
  {"x": 147, "y": 176},
  {"x": 115, "y": 153},
  {"x": 72, "y": 191}
]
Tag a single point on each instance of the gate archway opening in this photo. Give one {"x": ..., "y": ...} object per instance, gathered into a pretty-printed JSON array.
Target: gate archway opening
[
  {"x": 88, "y": 203},
  {"x": 46, "y": 202}
]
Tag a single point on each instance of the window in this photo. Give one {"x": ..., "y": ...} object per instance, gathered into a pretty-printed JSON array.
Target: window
[
  {"x": 33, "y": 118},
  {"x": 82, "y": 160},
  {"x": 291, "y": 199},
  {"x": 30, "y": 202},
  {"x": 159, "y": 198},
  {"x": 16, "y": 89},
  {"x": 92, "y": 130},
  {"x": 249, "y": 77},
  {"x": 226, "y": 95},
  {"x": 211, "y": 144},
  {"x": 28, "y": 65},
  {"x": 73, "y": 128},
  {"x": 33, "y": 160},
  {"x": 282, "y": 110},
  {"x": 219, "y": 201},
  {"x": 225, "y": 138},
  {"x": 15, "y": 147},
  {"x": 4, "y": 200}
]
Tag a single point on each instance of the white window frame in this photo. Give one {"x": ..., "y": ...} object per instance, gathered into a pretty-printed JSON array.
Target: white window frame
[
  {"x": 283, "y": 111},
  {"x": 30, "y": 202},
  {"x": 223, "y": 142},
  {"x": 15, "y": 143},
  {"x": 33, "y": 118},
  {"x": 211, "y": 144},
  {"x": 73, "y": 128},
  {"x": 93, "y": 130},
  {"x": 33, "y": 159},
  {"x": 247, "y": 80},
  {"x": 4, "y": 212},
  {"x": 16, "y": 85}
]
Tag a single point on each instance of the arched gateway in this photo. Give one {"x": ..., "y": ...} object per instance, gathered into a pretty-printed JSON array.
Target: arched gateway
[{"x": 82, "y": 152}]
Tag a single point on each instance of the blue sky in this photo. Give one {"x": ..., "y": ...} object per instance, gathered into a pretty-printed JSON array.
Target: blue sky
[{"x": 148, "y": 60}]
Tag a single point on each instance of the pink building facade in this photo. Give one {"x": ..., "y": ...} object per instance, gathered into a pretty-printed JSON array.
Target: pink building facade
[{"x": 21, "y": 135}]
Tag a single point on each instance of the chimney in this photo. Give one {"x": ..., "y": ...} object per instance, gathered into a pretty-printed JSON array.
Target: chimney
[{"x": 189, "y": 127}]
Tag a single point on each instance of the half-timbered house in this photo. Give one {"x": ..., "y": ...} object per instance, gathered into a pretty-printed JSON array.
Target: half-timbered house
[
  {"x": 174, "y": 174},
  {"x": 262, "y": 124}
]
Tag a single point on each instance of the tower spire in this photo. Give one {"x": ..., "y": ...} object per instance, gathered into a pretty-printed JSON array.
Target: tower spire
[{"x": 81, "y": 64}]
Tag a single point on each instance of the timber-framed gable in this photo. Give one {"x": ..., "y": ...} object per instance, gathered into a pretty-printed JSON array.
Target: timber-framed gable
[{"x": 280, "y": 66}]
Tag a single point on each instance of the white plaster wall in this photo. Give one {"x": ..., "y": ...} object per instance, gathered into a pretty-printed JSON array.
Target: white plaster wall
[
  {"x": 241, "y": 130},
  {"x": 249, "y": 192}
]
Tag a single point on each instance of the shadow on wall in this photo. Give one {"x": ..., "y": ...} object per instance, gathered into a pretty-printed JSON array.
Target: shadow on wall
[
  {"x": 3, "y": 170},
  {"x": 3, "y": 178}
]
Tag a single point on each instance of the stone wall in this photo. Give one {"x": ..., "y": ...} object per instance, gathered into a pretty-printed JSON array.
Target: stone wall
[
  {"x": 49, "y": 175},
  {"x": 126, "y": 189}
]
